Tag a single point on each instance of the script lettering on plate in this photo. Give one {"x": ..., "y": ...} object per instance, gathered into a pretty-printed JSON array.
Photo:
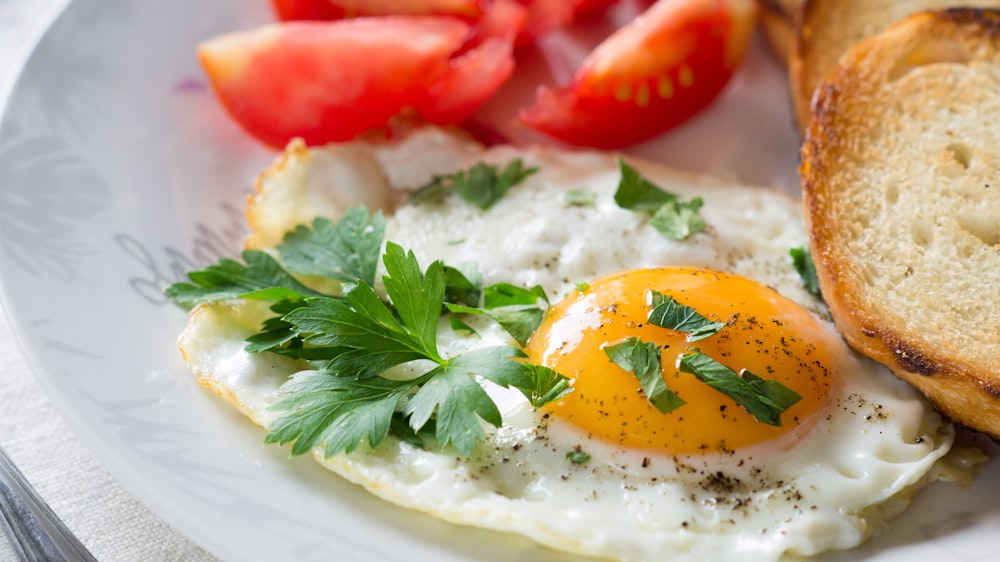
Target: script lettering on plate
[{"x": 168, "y": 265}]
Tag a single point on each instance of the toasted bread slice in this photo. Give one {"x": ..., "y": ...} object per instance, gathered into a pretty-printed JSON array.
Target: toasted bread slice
[
  {"x": 901, "y": 179},
  {"x": 825, "y": 29},
  {"x": 785, "y": 8},
  {"x": 777, "y": 19}
]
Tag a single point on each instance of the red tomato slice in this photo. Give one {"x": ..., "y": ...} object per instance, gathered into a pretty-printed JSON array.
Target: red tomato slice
[
  {"x": 541, "y": 16},
  {"x": 478, "y": 69},
  {"x": 503, "y": 19},
  {"x": 649, "y": 76},
  {"x": 327, "y": 81},
  {"x": 547, "y": 15},
  {"x": 332, "y": 81},
  {"x": 472, "y": 79},
  {"x": 340, "y": 9},
  {"x": 589, "y": 7}
]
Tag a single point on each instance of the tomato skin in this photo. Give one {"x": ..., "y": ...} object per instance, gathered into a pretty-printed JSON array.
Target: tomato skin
[
  {"x": 650, "y": 76},
  {"x": 547, "y": 15},
  {"x": 590, "y": 7},
  {"x": 471, "y": 80},
  {"x": 478, "y": 69},
  {"x": 328, "y": 81},
  {"x": 540, "y": 16},
  {"x": 291, "y": 10},
  {"x": 503, "y": 19}
]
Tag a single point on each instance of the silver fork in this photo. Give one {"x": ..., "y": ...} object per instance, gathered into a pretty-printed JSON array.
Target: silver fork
[{"x": 36, "y": 534}]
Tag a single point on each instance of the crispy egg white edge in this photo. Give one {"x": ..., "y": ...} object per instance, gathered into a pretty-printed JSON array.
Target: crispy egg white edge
[{"x": 385, "y": 169}]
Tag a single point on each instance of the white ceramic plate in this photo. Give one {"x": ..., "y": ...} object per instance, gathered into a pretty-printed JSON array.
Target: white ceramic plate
[{"x": 119, "y": 172}]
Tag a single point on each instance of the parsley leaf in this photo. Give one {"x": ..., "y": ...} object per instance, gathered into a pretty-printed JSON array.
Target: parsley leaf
[
  {"x": 670, "y": 314},
  {"x": 515, "y": 308},
  {"x": 673, "y": 218},
  {"x": 463, "y": 284},
  {"x": 643, "y": 359},
  {"x": 546, "y": 386},
  {"x": 763, "y": 399},
  {"x": 677, "y": 220},
  {"x": 506, "y": 294},
  {"x": 400, "y": 427},
  {"x": 276, "y": 334},
  {"x": 364, "y": 335},
  {"x": 582, "y": 197},
  {"x": 458, "y": 400},
  {"x": 539, "y": 384},
  {"x": 418, "y": 297},
  {"x": 482, "y": 184},
  {"x": 636, "y": 193},
  {"x": 337, "y": 412},
  {"x": 577, "y": 456},
  {"x": 513, "y": 174},
  {"x": 453, "y": 395},
  {"x": 458, "y": 325},
  {"x": 346, "y": 250},
  {"x": 804, "y": 265},
  {"x": 262, "y": 278},
  {"x": 359, "y": 333},
  {"x": 520, "y": 324}
]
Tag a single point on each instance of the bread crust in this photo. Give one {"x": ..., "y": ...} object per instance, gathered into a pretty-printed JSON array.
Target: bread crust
[
  {"x": 784, "y": 8},
  {"x": 825, "y": 29},
  {"x": 777, "y": 19},
  {"x": 855, "y": 120}
]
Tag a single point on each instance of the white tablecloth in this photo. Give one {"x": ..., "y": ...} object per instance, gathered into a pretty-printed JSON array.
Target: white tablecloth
[{"x": 107, "y": 519}]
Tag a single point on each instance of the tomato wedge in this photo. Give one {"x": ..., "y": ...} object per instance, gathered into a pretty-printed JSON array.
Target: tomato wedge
[
  {"x": 651, "y": 75},
  {"x": 503, "y": 19},
  {"x": 472, "y": 79},
  {"x": 334, "y": 80},
  {"x": 289, "y": 10},
  {"x": 540, "y": 16},
  {"x": 589, "y": 7},
  {"x": 547, "y": 15}
]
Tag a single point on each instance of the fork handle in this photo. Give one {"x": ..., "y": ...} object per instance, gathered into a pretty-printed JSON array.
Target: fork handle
[{"x": 36, "y": 534}]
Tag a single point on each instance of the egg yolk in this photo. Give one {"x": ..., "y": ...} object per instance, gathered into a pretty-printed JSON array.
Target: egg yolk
[{"x": 764, "y": 333}]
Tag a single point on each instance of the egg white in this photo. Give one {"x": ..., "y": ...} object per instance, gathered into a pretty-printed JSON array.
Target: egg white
[{"x": 826, "y": 488}]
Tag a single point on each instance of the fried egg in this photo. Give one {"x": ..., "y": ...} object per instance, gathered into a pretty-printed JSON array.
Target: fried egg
[{"x": 601, "y": 472}]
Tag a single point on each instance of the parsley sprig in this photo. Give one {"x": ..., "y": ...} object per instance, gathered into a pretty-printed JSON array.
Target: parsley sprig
[
  {"x": 517, "y": 309},
  {"x": 763, "y": 399},
  {"x": 643, "y": 359},
  {"x": 260, "y": 276},
  {"x": 668, "y": 313},
  {"x": 346, "y": 250},
  {"x": 803, "y": 262},
  {"x": 673, "y": 218},
  {"x": 355, "y": 340},
  {"x": 482, "y": 184}
]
